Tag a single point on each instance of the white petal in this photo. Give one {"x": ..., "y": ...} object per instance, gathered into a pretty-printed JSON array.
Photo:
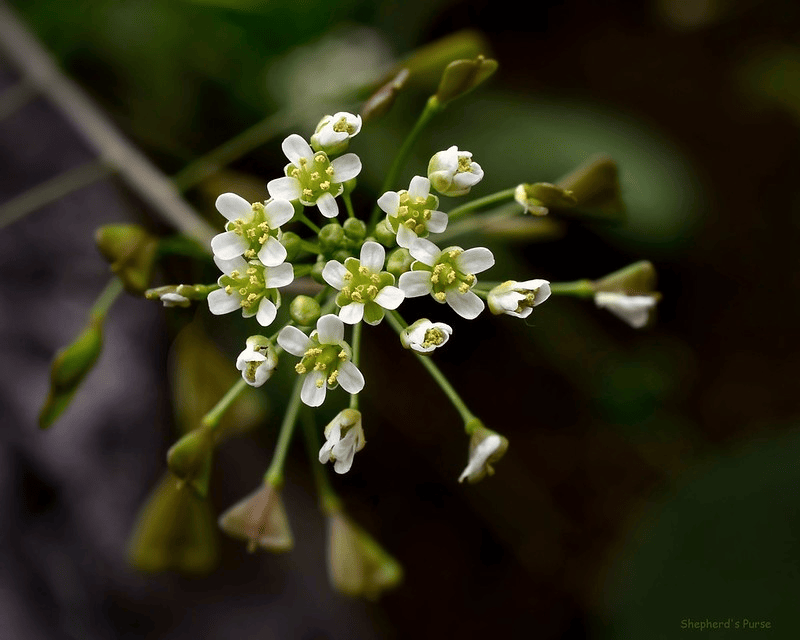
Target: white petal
[
  {"x": 352, "y": 313},
  {"x": 541, "y": 289},
  {"x": 294, "y": 341},
  {"x": 330, "y": 329},
  {"x": 295, "y": 147},
  {"x": 480, "y": 455},
  {"x": 438, "y": 222},
  {"x": 467, "y": 179},
  {"x": 389, "y": 202},
  {"x": 350, "y": 378},
  {"x": 278, "y": 212},
  {"x": 415, "y": 283},
  {"x": 279, "y": 276},
  {"x": 635, "y": 310},
  {"x": 228, "y": 245},
  {"x": 419, "y": 188},
  {"x": 327, "y": 205},
  {"x": 286, "y": 188},
  {"x": 424, "y": 251},
  {"x": 328, "y": 137},
  {"x": 405, "y": 236},
  {"x": 475, "y": 260},
  {"x": 272, "y": 253},
  {"x": 446, "y": 160},
  {"x": 346, "y": 167},
  {"x": 333, "y": 273},
  {"x": 344, "y": 451},
  {"x": 467, "y": 305},
  {"x": 390, "y": 297},
  {"x": 372, "y": 256},
  {"x": 311, "y": 394},
  {"x": 229, "y": 266},
  {"x": 233, "y": 207},
  {"x": 266, "y": 312},
  {"x": 325, "y": 451},
  {"x": 220, "y": 302}
]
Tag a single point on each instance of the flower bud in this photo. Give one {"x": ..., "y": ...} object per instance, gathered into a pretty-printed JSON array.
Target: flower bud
[
  {"x": 333, "y": 133},
  {"x": 517, "y": 298},
  {"x": 259, "y": 518},
  {"x": 131, "y": 251},
  {"x": 257, "y": 361},
  {"x": 425, "y": 336},
  {"x": 540, "y": 197},
  {"x": 385, "y": 235},
  {"x": 639, "y": 277},
  {"x": 331, "y": 237},
  {"x": 453, "y": 173},
  {"x": 357, "y": 564},
  {"x": 485, "y": 448},
  {"x": 462, "y": 76},
  {"x": 179, "y": 295},
  {"x": 305, "y": 311},
  {"x": 344, "y": 436},
  {"x": 292, "y": 243},
  {"x": 174, "y": 531},
  {"x": 399, "y": 262},
  {"x": 70, "y": 366},
  {"x": 382, "y": 100},
  {"x": 629, "y": 293},
  {"x": 355, "y": 229},
  {"x": 190, "y": 458}
]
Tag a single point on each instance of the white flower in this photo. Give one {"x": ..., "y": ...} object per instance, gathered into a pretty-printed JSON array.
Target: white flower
[
  {"x": 325, "y": 359},
  {"x": 312, "y": 178},
  {"x": 253, "y": 230},
  {"x": 635, "y": 310},
  {"x": 344, "y": 436},
  {"x": 447, "y": 275},
  {"x": 172, "y": 299},
  {"x": 257, "y": 361},
  {"x": 479, "y": 458},
  {"x": 518, "y": 298},
  {"x": 364, "y": 290},
  {"x": 251, "y": 286},
  {"x": 424, "y": 336},
  {"x": 412, "y": 214},
  {"x": 334, "y": 132},
  {"x": 453, "y": 173}
]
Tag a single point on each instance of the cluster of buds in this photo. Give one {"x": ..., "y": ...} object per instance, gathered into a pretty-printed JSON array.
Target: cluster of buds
[{"x": 359, "y": 272}]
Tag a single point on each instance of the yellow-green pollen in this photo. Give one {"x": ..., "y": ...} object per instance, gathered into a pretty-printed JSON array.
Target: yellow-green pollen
[
  {"x": 361, "y": 284},
  {"x": 433, "y": 338},
  {"x": 414, "y": 213},
  {"x": 316, "y": 177},
  {"x": 325, "y": 358},
  {"x": 446, "y": 275},
  {"x": 342, "y": 126},
  {"x": 250, "y": 285},
  {"x": 464, "y": 164},
  {"x": 254, "y": 230}
]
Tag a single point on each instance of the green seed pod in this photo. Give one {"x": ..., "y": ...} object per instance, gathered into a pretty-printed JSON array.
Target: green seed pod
[
  {"x": 331, "y": 237},
  {"x": 636, "y": 278},
  {"x": 304, "y": 310},
  {"x": 291, "y": 241},
  {"x": 131, "y": 251},
  {"x": 190, "y": 460},
  {"x": 462, "y": 76},
  {"x": 382, "y": 100},
  {"x": 355, "y": 229},
  {"x": 399, "y": 262}
]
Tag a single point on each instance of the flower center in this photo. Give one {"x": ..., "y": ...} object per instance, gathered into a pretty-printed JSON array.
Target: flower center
[
  {"x": 433, "y": 337},
  {"x": 254, "y": 229},
  {"x": 526, "y": 302},
  {"x": 446, "y": 275},
  {"x": 315, "y": 177},
  {"x": 464, "y": 164},
  {"x": 414, "y": 213},
  {"x": 250, "y": 285},
  {"x": 324, "y": 358},
  {"x": 342, "y": 126}
]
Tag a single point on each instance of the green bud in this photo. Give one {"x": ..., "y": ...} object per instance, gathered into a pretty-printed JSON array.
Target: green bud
[
  {"x": 131, "y": 251},
  {"x": 190, "y": 459},
  {"x": 304, "y": 310},
  {"x": 175, "y": 530},
  {"x": 427, "y": 63},
  {"x": 355, "y": 229},
  {"x": 357, "y": 564},
  {"x": 331, "y": 237},
  {"x": 595, "y": 185},
  {"x": 462, "y": 76},
  {"x": 540, "y": 197},
  {"x": 316, "y": 271},
  {"x": 70, "y": 366},
  {"x": 292, "y": 243},
  {"x": 399, "y": 262},
  {"x": 382, "y": 100},
  {"x": 385, "y": 235},
  {"x": 637, "y": 278}
]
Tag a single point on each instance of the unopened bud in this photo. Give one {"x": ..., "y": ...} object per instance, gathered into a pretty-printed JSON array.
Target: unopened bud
[
  {"x": 462, "y": 76},
  {"x": 595, "y": 186},
  {"x": 385, "y": 235},
  {"x": 131, "y": 252},
  {"x": 639, "y": 277},
  {"x": 292, "y": 243},
  {"x": 331, "y": 237},
  {"x": 355, "y": 229},
  {"x": 540, "y": 197},
  {"x": 485, "y": 448},
  {"x": 304, "y": 310},
  {"x": 382, "y": 100},
  {"x": 399, "y": 262}
]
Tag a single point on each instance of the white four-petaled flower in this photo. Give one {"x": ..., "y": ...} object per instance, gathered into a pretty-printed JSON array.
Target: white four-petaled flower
[
  {"x": 334, "y": 132},
  {"x": 364, "y": 290},
  {"x": 344, "y": 436},
  {"x": 312, "y": 178},
  {"x": 447, "y": 275},
  {"x": 257, "y": 361},
  {"x": 453, "y": 173},
  {"x": 412, "y": 214},
  {"x": 633, "y": 309},
  {"x": 518, "y": 298},
  {"x": 424, "y": 336},
  {"x": 325, "y": 359}
]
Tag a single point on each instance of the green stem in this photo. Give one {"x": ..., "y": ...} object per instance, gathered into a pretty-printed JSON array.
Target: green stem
[
  {"x": 432, "y": 107},
  {"x": 302, "y": 218},
  {"x": 349, "y": 205},
  {"x": 356, "y": 346},
  {"x": 211, "y": 420},
  {"x": 578, "y": 288},
  {"x": 480, "y": 203},
  {"x": 328, "y": 500},
  {"x": 106, "y": 299},
  {"x": 274, "y": 475},
  {"x": 478, "y": 223},
  {"x": 398, "y": 324}
]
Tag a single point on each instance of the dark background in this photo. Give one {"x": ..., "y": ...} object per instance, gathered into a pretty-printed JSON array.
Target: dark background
[{"x": 652, "y": 476}]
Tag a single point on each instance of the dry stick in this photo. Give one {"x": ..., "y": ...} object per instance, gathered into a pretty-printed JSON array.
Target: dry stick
[{"x": 146, "y": 180}]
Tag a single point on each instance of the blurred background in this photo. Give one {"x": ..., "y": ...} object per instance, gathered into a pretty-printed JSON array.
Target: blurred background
[{"x": 652, "y": 476}]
